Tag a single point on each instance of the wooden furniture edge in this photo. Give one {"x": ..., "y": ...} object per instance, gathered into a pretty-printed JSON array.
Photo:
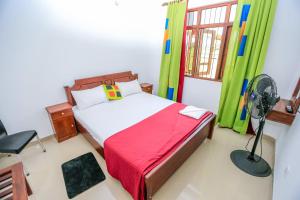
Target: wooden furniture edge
[
  {"x": 20, "y": 188},
  {"x": 295, "y": 100},
  {"x": 58, "y": 107},
  {"x": 146, "y": 85},
  {"x": 280, "y": 115}
]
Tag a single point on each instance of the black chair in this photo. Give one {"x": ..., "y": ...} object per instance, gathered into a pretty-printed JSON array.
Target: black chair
[{"x": 15, "y": 143}]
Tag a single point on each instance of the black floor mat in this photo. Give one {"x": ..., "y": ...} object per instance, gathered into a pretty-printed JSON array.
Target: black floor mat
[{"x": 81, "y": 173}]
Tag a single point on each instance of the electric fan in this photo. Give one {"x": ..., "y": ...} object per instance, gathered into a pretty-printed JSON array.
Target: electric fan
[{"x": 261, "y": 96}]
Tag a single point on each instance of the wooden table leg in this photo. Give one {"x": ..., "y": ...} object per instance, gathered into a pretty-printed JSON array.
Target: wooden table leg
[{"x": 28, "y": 188}]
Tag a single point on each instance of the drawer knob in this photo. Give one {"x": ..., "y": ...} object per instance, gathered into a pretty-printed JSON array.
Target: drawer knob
[
  {"x": 72, "y": 125},
  {"x": 62, "y": 113}
]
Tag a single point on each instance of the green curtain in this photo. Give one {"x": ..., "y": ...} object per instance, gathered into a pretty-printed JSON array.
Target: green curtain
[
  {"x": 171, "y": 53},
  {"x": 245, "y": 59}
]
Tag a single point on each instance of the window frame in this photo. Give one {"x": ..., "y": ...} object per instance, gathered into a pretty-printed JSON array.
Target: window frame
[{"x": 199, "y": 29}]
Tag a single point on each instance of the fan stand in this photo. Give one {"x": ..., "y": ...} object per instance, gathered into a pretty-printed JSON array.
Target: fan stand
[{"x": 250, "y": 162}]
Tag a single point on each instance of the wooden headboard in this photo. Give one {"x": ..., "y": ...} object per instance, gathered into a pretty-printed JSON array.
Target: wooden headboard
[{"x": 87, "y": 83}]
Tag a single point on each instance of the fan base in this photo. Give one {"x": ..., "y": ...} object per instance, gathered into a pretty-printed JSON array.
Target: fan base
[{"x": 257, "y": 167}]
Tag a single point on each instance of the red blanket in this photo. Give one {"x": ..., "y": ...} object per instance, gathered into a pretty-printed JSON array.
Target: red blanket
[{"x": 135, "y": 151}]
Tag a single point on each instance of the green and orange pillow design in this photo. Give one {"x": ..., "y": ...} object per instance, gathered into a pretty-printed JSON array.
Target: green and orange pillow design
[{"x": 112, "y": 92}]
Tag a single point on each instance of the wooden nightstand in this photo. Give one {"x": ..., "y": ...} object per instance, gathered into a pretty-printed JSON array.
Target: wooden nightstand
[
  {"x": 147, "y": 87},
  {"x": 62, "y": 121}
]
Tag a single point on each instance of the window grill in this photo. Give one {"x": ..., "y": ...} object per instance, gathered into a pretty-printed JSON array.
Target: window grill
[{"x": 207, "y": 36}]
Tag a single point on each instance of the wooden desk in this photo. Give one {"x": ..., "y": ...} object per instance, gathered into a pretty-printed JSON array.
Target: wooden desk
[
  {"x": 279, "y": 114},
  {"x": 13, "y": 184}
]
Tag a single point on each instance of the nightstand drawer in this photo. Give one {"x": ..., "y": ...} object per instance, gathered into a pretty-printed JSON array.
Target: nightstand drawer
[
  {"x": 147, "y": 87},
  {"x": 148, "y": 90},
  {"x": 64, "y": 128},
  {"x": 61, "y": 114}
]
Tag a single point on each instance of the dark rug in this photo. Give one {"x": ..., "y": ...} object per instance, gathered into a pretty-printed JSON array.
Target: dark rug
[{"x": 81, "y": 173}]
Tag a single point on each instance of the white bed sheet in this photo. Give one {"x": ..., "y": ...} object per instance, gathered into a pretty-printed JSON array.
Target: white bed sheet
[{"x": 106, "y": 119}]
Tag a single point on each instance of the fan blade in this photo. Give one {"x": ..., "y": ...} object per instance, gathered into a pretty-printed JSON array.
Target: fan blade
[{"x": 263, "y": 85}]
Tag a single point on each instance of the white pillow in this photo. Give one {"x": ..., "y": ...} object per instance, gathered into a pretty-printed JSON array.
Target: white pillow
[
  {"x": 128, "y": 88},
  {"x": 89, "y": 97}
]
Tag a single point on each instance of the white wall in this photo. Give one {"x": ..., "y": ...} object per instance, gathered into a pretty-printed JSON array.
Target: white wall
[
  {"x": 47, "y": 44},
  {"x": 287, "y": 162}
]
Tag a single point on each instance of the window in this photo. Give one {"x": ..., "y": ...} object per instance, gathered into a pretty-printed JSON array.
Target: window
[{"x": 207, "y": 37}]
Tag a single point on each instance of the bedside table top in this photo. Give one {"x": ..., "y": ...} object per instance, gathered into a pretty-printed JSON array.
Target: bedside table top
[
  {"x": 146, "y": 84},
  {"x": 58, "y": 107}
]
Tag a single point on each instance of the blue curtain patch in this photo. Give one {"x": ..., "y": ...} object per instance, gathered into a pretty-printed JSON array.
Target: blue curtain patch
[
  {"x": 245, "y": 13},
  {"x": 245, "y": 84},
  {"x": 242, "y": 45},
  {"x": 170, "y": 93},
  {"x": 244, "y": 113},
  {"x": 167, "y": 24},
  {"x": 168, "y": 44}
]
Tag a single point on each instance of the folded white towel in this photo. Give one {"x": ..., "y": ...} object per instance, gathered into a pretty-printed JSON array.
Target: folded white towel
[{"x": 192, "y": 111}]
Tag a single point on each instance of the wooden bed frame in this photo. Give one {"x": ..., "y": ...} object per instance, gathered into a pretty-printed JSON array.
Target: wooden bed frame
[{"x": 160, "y": 174}]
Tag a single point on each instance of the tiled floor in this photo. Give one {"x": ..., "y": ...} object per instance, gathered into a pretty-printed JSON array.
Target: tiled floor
[{"x": 207, "y": 175}]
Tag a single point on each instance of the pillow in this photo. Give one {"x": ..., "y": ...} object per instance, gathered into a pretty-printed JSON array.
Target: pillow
[
  {"x": 112, "y": 92},
  {"x": 89, "y": 97},
  {"x": 128, "y": 88}
]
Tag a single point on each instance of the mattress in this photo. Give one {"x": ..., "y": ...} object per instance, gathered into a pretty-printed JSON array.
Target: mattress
[{"x": 106, "y": 119}]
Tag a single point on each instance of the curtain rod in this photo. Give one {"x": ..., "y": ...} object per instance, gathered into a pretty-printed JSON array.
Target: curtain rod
[{"x": 169, "y": 2}]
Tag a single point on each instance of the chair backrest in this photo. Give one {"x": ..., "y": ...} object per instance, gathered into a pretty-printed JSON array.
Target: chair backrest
[{"x": 3, "y": 132}]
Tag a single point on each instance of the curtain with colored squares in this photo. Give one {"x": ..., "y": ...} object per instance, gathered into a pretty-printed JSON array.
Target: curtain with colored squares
[
  {"x": 171, "y": 53},
  {"x": 245, "y": 59}
]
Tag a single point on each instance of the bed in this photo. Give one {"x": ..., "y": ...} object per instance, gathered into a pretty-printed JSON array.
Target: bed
[{"x": 129, "y": 111}]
